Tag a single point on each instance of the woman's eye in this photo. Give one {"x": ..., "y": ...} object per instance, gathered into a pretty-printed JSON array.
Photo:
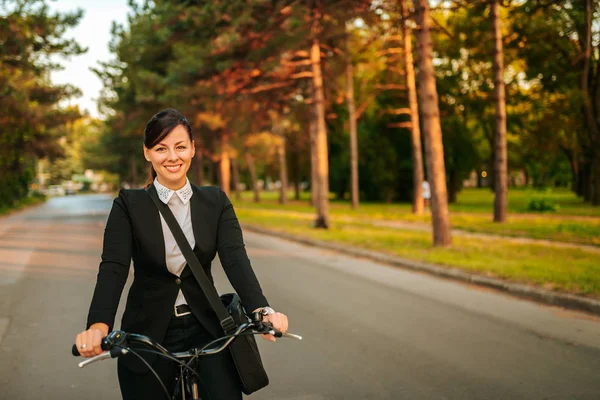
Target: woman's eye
[
  {"x": 160, "y": 149},
  {"x": 181, "y": 147}
]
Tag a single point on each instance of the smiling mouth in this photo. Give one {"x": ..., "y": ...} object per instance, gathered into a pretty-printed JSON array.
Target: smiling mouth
[{"x": 173, "y": 168}]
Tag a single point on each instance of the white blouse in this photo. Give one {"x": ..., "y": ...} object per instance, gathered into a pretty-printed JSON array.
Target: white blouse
[{"x": 179, "y": 203}]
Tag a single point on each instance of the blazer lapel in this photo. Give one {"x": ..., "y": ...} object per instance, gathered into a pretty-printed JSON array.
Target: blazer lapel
[{"x": 155, "y": 221}]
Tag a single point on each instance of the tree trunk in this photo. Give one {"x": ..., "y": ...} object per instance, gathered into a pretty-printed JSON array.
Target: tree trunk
[
  {"x": 352, "y": 123},
  {"x": 314, "y": 182},
  {"x": 295, "y": 163},
  {"x": 252, "y": 170},
  {"x": 417, "y": 158},
  {"x": 501, "y": 157},
  {"x": 389, "y": 196},
  {"x": 322, "y": 220},
  {"x": 595, "y": 184},
  {"x": 434, "y": 150},
  {"x": 199, "y": 166},
  {"x": 282, "y": 171},
  {"x": 587, "y": 183},
  {"x": 571, "y": 155},
  {"x": 225, "y": 164},
  {"x": 592, "y": 125},
  {"x": 235, "y": 169}
]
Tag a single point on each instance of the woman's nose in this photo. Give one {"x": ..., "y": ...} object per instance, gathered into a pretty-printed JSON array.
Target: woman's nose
[{"x": 173, "y": 155}]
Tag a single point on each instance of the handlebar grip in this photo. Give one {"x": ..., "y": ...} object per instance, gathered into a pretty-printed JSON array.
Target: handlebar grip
[{"x": 76, "y": 353}]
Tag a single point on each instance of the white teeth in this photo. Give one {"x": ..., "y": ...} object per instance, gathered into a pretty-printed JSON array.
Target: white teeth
[{"x": 173, "y": 168}]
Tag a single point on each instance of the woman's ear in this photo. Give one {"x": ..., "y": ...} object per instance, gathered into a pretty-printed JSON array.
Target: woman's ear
[
  {"x": 146, "y": 152},
  {"x": 193, "y": 148}
]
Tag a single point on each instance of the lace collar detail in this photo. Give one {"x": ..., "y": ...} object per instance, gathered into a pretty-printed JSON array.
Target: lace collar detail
[{"x": 165, "y": 194}]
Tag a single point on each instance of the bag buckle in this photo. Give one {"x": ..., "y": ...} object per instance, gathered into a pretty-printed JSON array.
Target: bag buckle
[{"x": 228, "y": 325}]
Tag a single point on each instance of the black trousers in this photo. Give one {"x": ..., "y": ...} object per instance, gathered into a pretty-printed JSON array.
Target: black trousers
[{"x": 219, "y": 376}]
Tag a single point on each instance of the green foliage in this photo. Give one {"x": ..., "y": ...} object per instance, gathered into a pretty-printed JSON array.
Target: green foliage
[
  {"x": 542, "y": 205},
  {"x": 228, "y": 61},
  {"x": 31, "y": 122}
]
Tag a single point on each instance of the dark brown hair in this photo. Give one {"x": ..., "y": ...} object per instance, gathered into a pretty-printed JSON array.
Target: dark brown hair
[{"x": 159, "y": 126}]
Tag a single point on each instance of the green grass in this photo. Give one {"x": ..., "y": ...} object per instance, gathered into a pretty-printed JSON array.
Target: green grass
[
  {"x": 563, "y": 269},
  {"x": 471, "y": 200},
  {"x": 574, "y": 222},
  {"x": 27, "y": 201},
  {"x": 482, "y": 200}
]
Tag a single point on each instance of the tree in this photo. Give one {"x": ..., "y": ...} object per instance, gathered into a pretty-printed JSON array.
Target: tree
[
  {"x": 352, "y": 122},
  {"x": 418, "y": 175},
  {"x": 434, "y": 150},
  {"x": 592, "y": 122},
  {"x": 32, "y": 121},
  {"x": 500, "y": 153},
  {"x": 555, "y": 41},
  {"x": 322, "y": 161}
]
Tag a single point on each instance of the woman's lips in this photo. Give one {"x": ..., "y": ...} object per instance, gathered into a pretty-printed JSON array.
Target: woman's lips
[{"x": 173, "y": 168}]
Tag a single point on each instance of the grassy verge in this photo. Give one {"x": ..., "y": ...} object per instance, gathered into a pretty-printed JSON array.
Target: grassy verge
[
  {"x": 574, "y": 222},
  {"x": 566, "y": 270},
  {"x": 472, "y": 200},
  {"x": 27, "y": 201}
]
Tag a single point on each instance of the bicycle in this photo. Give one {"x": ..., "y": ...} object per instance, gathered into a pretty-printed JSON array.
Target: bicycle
[{"x": 116, "y": 345}]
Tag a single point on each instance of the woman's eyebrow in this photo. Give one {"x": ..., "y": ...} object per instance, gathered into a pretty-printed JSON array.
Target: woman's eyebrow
[{"x": 163, "y": 144}]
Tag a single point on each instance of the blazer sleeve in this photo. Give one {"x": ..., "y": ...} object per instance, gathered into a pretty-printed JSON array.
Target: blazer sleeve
[
  {"x": 114, "y": 267},
  {"x": 234, "y": 259}
]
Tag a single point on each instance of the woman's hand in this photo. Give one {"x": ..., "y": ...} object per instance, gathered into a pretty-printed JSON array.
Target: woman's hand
[
  {"x": 279, "y": 322},
  {"x": 89, "y": 342}
]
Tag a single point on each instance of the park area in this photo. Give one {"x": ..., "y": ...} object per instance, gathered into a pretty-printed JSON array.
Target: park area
[
  {"x": 411, "y": 186},
  {"x": 557, "y": 250},
  {"x": 326, "y": 119}
]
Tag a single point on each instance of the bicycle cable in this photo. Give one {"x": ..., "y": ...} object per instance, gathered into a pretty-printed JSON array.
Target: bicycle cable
[
  {"x": 181, "y": 363},
  {"x": 147, "y": 365}
]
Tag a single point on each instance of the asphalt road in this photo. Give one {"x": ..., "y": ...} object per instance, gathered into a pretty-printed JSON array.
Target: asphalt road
[{"x": 370, "y": 331}]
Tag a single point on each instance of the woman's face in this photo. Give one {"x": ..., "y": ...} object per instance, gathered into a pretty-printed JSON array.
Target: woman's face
[{"x": 172, "y": 157}]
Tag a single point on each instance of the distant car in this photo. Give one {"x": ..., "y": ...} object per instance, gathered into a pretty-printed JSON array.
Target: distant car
[
  {"x": 55, "y": 190},
  {"x": 69, "y": 191}
]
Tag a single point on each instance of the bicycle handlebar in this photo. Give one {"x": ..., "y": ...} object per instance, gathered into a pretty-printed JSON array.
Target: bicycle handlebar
[{"x": 116, "y": 342}]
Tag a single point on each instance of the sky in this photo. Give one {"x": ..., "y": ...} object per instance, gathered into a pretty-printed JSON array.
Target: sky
[{"x": 92, "y": 32}]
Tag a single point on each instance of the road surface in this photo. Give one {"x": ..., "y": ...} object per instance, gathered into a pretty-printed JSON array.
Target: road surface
[{"x": 371, "y": 331}]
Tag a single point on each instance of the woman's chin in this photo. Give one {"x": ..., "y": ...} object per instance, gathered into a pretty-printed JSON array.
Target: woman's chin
[{"x": 173, "y": 179}]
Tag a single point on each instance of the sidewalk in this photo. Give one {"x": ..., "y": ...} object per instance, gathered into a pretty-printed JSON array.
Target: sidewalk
[{"x": 538, "y": 294}]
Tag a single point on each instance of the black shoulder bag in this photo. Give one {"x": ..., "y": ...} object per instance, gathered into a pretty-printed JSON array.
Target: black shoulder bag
[{"x": 228, "y": 308}]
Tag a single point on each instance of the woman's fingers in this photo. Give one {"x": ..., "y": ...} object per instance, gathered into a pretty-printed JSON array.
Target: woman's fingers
[
  {"x": 97, "y": 341},
  {"x": 81, "y": 341},
  {"x": 78, "y": 342},
  {"x": 278, "y": 320},
  {"x": 268, "y": 337},
  {"x": 89, "y": 343}
]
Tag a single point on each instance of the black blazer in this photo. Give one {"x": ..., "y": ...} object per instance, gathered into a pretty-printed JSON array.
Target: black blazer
[{"x": 134, "y": 231}]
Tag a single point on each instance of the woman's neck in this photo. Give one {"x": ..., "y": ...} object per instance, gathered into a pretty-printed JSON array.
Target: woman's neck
[{"x": 172, "y": 185}]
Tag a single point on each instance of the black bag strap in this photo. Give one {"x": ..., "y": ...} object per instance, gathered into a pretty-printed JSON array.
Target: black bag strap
[{"x": 227, "y": 322}]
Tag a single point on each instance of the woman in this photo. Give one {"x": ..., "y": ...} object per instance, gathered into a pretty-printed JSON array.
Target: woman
[{"x": 165, "y": 301}]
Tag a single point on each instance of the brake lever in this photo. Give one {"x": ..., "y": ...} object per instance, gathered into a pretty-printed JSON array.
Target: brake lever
[
  {"x": 266, "y": 328},
  {"x": 113, "y": 353}
]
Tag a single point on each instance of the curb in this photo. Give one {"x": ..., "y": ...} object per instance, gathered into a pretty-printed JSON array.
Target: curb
[{"x": 541, "y": 295}]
